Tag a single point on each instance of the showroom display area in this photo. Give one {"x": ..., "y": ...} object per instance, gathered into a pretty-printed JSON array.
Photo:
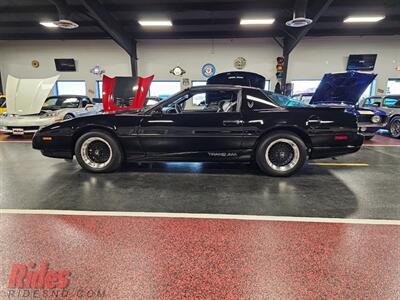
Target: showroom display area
[{"x": 193, "y": 149}]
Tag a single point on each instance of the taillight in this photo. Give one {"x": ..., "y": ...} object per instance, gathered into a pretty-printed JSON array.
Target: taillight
[{"x": 341, "y": 137}]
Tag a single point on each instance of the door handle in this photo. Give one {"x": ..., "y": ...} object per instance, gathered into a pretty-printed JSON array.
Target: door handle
[
  {"x": 232, "y": 122},
  {"x": 160, "y": 121},
  {"x": 313, "y": 122}
]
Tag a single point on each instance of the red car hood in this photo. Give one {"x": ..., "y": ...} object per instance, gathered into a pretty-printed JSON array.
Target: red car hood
[{"x": 132, "y": 91}]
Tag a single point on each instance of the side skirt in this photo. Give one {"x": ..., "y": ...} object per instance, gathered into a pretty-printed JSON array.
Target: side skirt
[{"x": 202, "y": 156}]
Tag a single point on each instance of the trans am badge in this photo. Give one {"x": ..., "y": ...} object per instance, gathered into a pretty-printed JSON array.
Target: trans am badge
[{"x": 208, "y": 70}]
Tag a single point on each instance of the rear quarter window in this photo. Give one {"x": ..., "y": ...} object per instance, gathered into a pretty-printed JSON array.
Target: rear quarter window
[
  {"x": 256, "y": 100},
  {"x": 391, "y": 102}
]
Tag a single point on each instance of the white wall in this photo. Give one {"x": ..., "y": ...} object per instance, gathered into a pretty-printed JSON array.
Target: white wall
[
  {"x": 160, "y": 56},
  {"x": 310, "y": 60},
  {"x": 315, "y": 56},
  {"x": 16, "y": 58}
]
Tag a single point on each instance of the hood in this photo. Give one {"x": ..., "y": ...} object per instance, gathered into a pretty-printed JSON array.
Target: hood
[
  {"x": 342, "y": 88},
  {"x": 26, "y": 96},
  {"x": 124, "y": 93}
]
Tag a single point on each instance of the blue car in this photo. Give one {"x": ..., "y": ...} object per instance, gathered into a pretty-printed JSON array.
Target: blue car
[{"x": 344, "y": 90}]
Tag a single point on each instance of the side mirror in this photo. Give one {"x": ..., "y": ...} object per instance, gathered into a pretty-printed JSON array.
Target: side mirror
[
  {"x": 376, "y": 104},
  {"x": 157, "y": 112},
  {"x": 89, "y": 106}
]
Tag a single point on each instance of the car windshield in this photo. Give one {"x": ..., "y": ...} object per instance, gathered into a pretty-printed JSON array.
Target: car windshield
[
  {"x": 55, "y": 103},
  {"x": 2, "y": 101},
  {"x": 284, "y": 101}
]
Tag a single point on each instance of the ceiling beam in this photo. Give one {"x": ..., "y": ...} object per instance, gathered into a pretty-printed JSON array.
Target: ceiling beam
[
  {"x": 114, "y": 29},
  {"x": 319, "y": 9}
]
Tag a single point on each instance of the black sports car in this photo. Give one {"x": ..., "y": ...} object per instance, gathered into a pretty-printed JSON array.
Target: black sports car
[{"x": 207, "y": 123}]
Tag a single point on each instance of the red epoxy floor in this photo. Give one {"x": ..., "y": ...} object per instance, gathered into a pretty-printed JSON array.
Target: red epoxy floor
[{"x": 176, "y": 258}]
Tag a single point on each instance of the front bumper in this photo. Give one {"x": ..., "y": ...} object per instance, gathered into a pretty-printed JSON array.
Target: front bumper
[
  {"x": 20, "y": 125},
  {"x": 58, "y": 147},
  {"x": 17, "y": 130}
]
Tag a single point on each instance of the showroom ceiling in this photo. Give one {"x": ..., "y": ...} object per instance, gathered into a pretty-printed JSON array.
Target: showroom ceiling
[{"x": 19, "y": 19}]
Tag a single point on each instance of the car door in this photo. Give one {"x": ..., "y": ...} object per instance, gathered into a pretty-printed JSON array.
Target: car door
[{"x": 200, "y": 125}]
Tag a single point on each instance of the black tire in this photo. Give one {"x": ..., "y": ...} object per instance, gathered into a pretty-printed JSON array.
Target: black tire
[
  {"x": 99, "y": 152},
  {"x": 394, "y": 127},
  {"x": 369, "y": 137},
  {"x": 287, "y": 153},
  {"x": 68, "y": 117}
]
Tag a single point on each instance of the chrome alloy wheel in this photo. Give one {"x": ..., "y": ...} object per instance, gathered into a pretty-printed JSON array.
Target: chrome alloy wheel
[
  {"x": 282, "y": 155},
  {"x": 395, "y": 128},
  {"x": 96, "y": 152}
]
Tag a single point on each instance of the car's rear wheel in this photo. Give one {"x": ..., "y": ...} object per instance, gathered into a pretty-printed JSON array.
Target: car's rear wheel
[
  {"x": 394, "y": 127},
  {"x": 281, "y": 154},
  {"x": 97, "y": 151}
]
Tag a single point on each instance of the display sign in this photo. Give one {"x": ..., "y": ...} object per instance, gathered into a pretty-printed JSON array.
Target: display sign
[
  {"x": 65, "y": 64},
  {"x": 208, "y": 70}
]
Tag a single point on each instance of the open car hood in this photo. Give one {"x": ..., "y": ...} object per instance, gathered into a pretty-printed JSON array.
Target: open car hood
[
  {"x": 124, "y": 93},
  {"x": 238, "y": 78},
  {"x": 342, "y": 88},
  {"x": 26, "y": 96}
]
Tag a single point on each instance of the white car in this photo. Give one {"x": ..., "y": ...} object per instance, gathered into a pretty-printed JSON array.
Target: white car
[{"x": 28, "y": 109}]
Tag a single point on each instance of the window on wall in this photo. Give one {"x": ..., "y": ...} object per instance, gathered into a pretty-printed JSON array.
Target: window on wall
[
  {"x": 304, "y": 86},
  {"x": 164, "y": 89},
  {"x": 267, "y": 85},
  {"x": 393, "y": 86},
  {"x": 99, "y": 88},
  {"x": 199, "y": 82},
  {"x": 70, "y": 87}
]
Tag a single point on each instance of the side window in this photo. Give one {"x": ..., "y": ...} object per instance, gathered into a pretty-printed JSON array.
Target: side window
[
  {"x": 204, "y": 101},
  {"x": 254, "y": 99},
  {"x": 85, "y": 102}
]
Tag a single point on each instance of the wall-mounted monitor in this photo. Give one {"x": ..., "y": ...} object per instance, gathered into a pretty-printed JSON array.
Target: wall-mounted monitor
[
  {"x": 65, "y": 64},
  {"x": 361, "y": 62}
]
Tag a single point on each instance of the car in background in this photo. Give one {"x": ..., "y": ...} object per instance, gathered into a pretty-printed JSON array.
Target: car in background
[
  {"x": 391, "y": 105},
  {"x": 3, "y": 106},
  {"x": 231, "y": 124},
  {"x": 303, "y": 97},
  {"x": 28, "y": 109},
  {"x": 344, "y": 90}
]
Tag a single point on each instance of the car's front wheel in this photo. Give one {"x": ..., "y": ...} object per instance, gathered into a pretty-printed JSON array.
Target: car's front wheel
[
  {"x": 68, "y": 117},
  {"x": 97, "y": 151},
  {"x": 281, "y": 154},
  {"x": 394, "y": 127}
]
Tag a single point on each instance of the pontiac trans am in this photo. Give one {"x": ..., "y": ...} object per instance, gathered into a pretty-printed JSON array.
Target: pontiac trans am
[{"x": 208, "y": 123}]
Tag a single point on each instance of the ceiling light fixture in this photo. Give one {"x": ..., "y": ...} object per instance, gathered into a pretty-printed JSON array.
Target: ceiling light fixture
[
  {"x": 49, "y": 24},
  {"x": 366, "y": 19},
  {"x": 155, "y": 23},
  {"x": 257, "y": 21}
]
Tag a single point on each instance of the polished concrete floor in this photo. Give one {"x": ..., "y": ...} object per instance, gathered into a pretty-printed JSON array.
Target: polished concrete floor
[{"x": 369, "y": 190}]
